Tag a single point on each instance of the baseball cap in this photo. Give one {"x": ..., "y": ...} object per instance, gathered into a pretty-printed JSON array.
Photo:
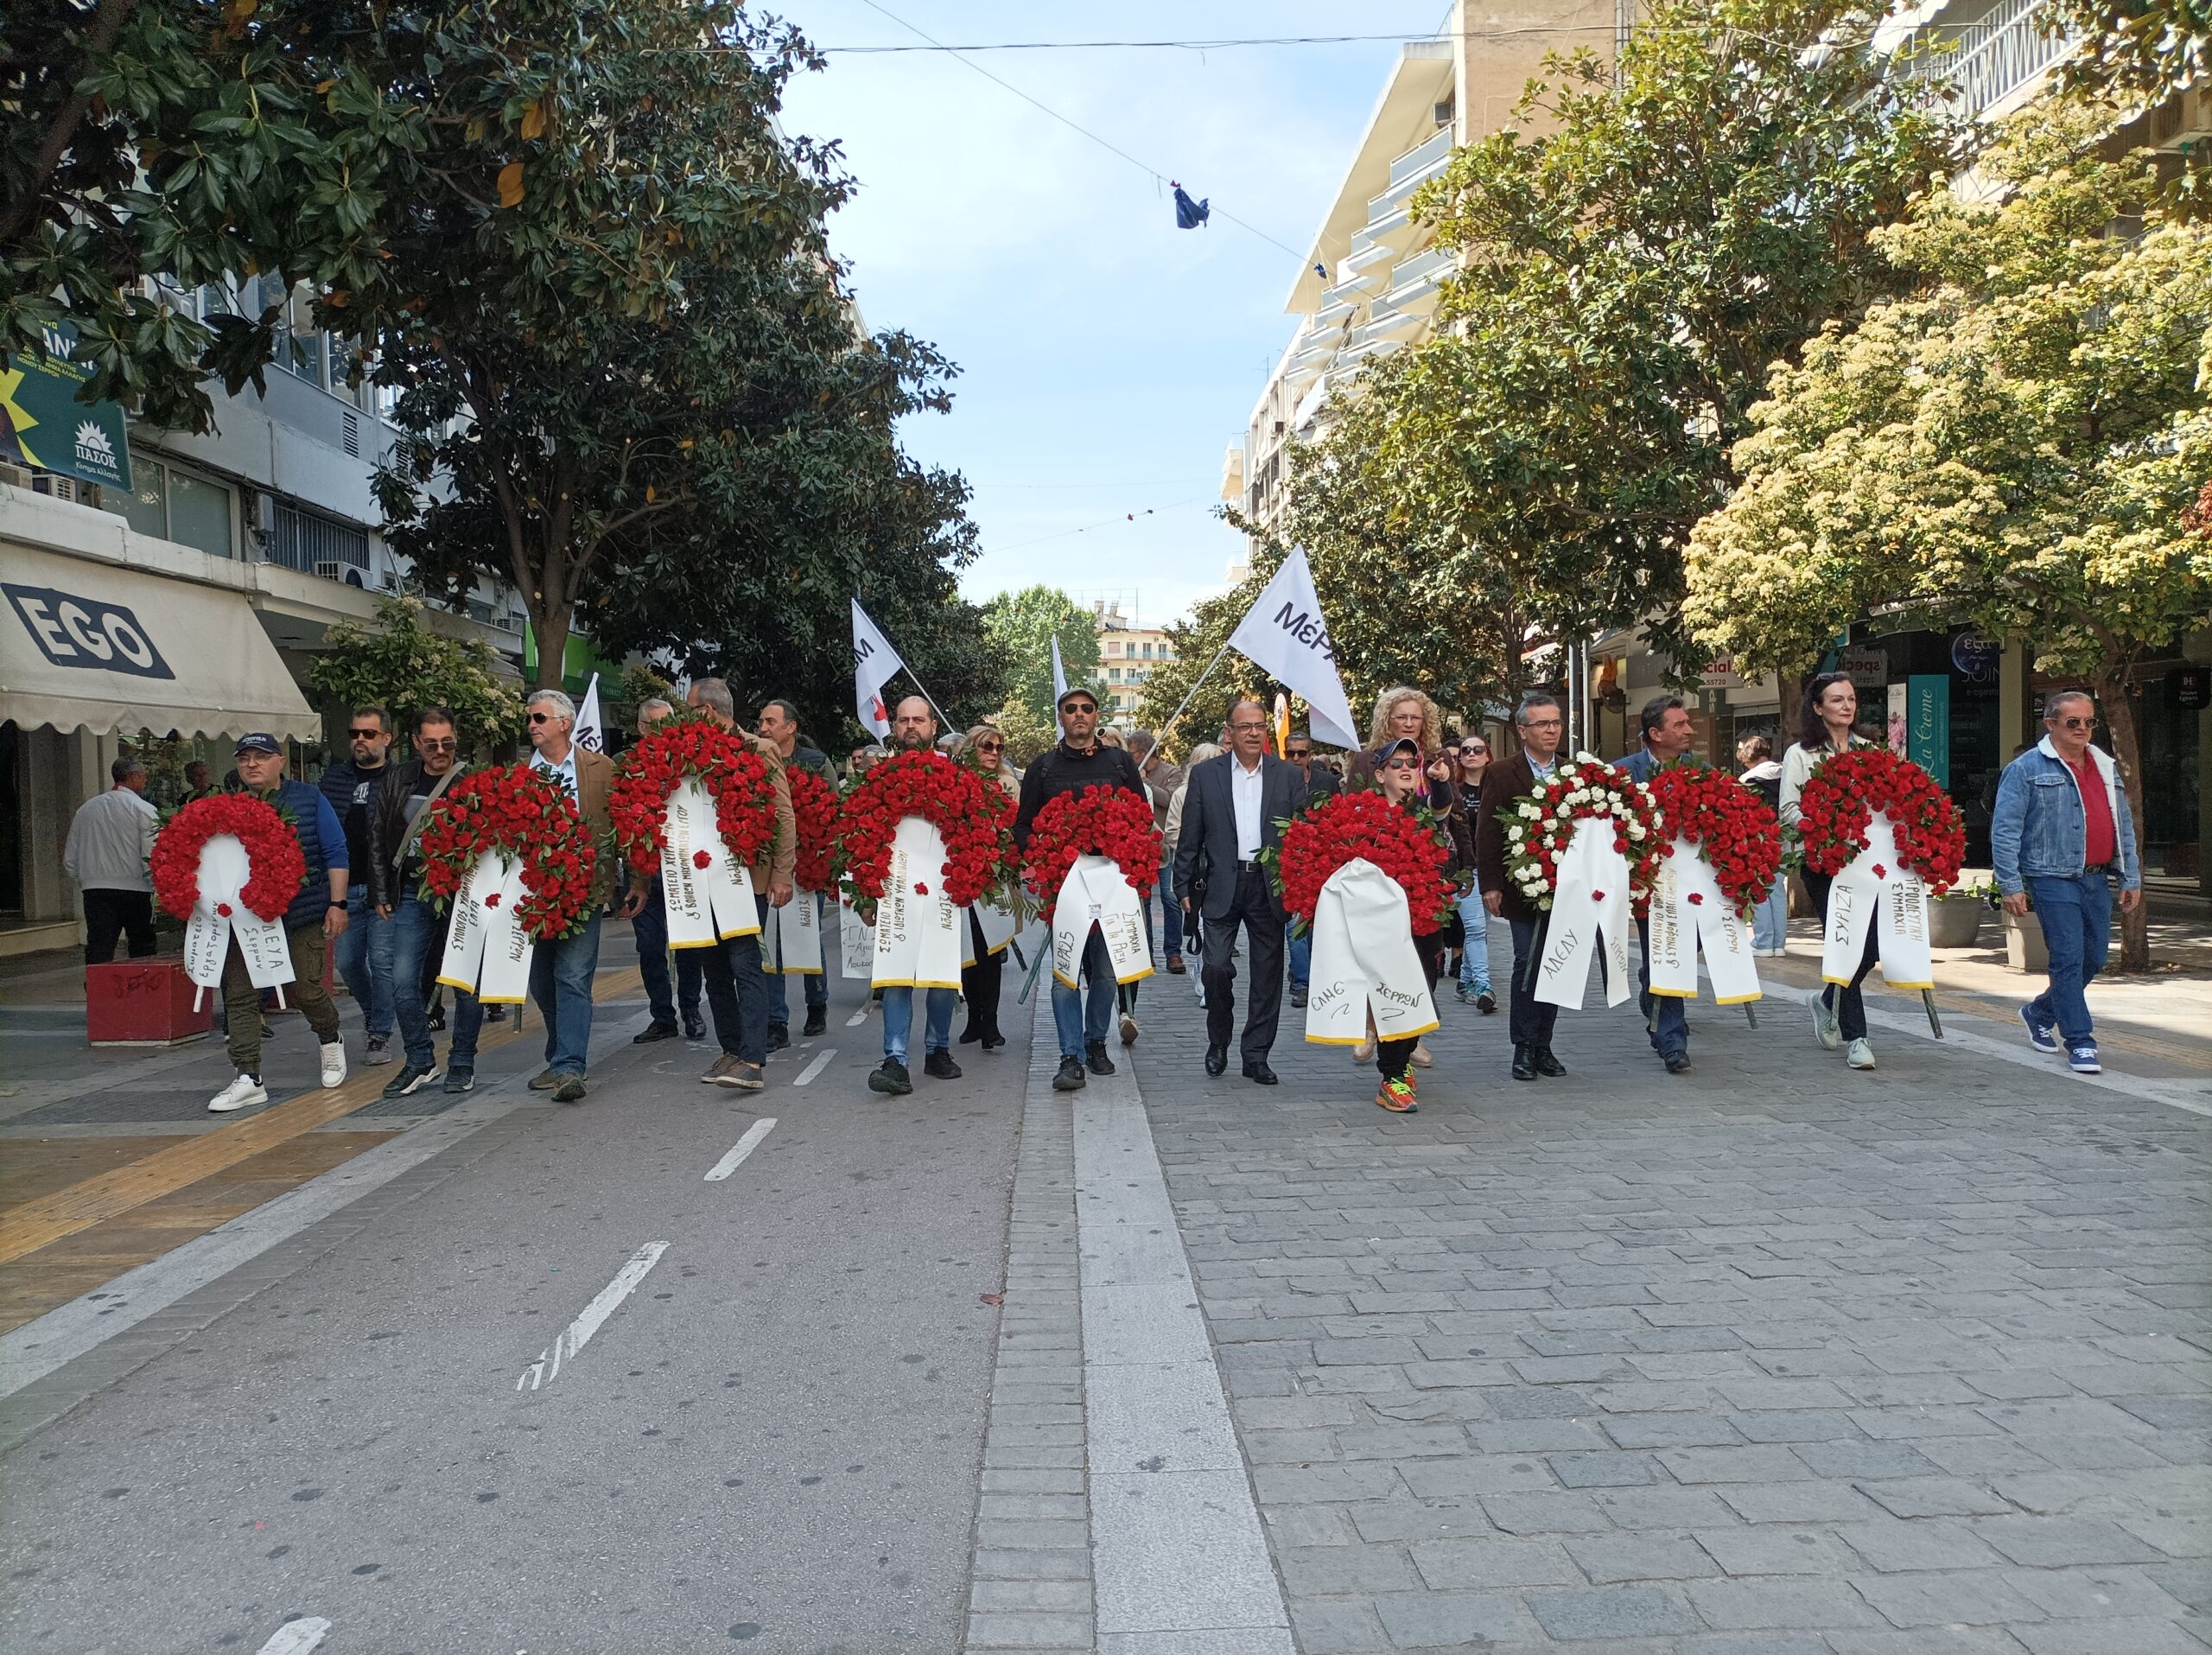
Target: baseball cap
[
  {"x": 1382, "y": 754},
  {"x": 1074, "y": 689},
  {"x": 258, "y": 740}
]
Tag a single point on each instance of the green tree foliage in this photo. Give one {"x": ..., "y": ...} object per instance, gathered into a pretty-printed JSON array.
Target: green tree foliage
[
  {"x": 2017, "y": 444},
  {"x": 403, "y": 665},
  {"x": 1028, "y": 736},
  {"x": 1632, "y": 259},
  {"x": 2136, "y": 50},
  {"x": 1021, "y": 626}
]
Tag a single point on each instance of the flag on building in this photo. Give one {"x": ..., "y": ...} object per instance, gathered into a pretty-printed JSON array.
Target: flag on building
[
  {"x": 1286, "y": 636},
  {"x": 873, "y": 663}
]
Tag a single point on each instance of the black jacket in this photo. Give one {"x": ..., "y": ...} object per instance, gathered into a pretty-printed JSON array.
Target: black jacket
[
  {"x": 388, "y": 826},
  {"x": 1209, "y": 832},
  {"x": 1063, "y": 770}
]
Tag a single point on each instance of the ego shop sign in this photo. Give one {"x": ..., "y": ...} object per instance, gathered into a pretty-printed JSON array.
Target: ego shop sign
[{"x": 73, "y": 631}]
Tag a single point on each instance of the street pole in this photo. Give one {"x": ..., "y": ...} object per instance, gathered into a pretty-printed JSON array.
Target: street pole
[{"x": 1195, "y": 687}]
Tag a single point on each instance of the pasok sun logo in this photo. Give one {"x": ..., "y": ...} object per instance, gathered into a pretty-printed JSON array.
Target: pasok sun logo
[{"x": 94, "y": 449}]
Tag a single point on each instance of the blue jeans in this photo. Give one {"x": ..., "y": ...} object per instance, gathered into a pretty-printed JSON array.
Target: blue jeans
[
  {"x": 560, "y": 982},
  {"x": 899, "y": 1021},
  {"x": 649, "y": 927},
  {"x": 1301, "y": 950},
  {"x": 2076, "y": 915},
  {"x": 364, "y": 955},
  {"x": 1078, "y": 1019},
  {"x": 1474, "y": 951},
  {"x": 818, "y": 982},
  {"x": 417, "y": 931},
  {"x": 1667, "y": 1013},
  {"x": 1171, "y": 911},
  {"x": 737, "y": 992},
  {"x": 1770, "y": 920}
]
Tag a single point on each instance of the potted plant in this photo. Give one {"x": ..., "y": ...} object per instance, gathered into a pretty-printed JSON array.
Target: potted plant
[
  {"x": 1954, "y": 918},
  {"x": 2024, "y": 944}
]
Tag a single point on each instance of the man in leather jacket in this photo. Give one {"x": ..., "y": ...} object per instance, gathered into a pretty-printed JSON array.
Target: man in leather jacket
[{"x": 417, "y": 928}]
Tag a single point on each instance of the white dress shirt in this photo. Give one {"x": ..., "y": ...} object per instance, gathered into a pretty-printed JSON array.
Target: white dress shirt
[
  {"x": 110, "y": 840},
  {"x": 1244, "y": 796},
  {"x": 565, "y": 771}
]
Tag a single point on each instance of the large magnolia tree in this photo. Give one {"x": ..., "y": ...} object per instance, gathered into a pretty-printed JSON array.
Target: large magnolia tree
[{"x": 2018, "y": 444}]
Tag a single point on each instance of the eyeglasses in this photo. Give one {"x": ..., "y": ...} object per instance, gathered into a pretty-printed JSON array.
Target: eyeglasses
[
  {"x": 446, "y": 745},
  {"x": 1541, "y": 723},
  {"x": 365, "y": 735},
  {"x": 2075, "y": 723}
]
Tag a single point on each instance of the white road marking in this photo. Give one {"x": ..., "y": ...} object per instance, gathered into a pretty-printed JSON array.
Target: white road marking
[
  {"x": 857, "y": 1018},
  {"x": 296, "y": 1636},
  {"x": 578, "y": 1333},
  {"x": 807, "y": 1074},
  {"x": 746, "y": 1145}
]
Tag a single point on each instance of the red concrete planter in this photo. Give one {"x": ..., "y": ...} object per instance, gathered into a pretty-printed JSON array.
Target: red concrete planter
[{"x": 143, "y": 1003}]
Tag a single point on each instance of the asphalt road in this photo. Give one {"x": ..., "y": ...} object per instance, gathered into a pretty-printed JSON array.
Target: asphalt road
[{"x": 772, "y": 1442}]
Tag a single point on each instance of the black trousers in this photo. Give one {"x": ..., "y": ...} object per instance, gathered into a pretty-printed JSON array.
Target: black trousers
[
  {"x": 979, "y": 985},
  {"x": 1393, "y": 1057},
  {"x": 1850, "y": 1007},
  {"x": 108, "y": 915},
  {"x": 1256, "y": 910},
  {"x": 1531, "y": 1019}
]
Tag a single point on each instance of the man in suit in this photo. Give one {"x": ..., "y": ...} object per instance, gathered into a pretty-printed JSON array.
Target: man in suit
[
  {"x": 1665, "y": 733},
  {"x": 1233, "y": 806},
  {"x": 1540, "y": 726},
  {"x": 562, "y": 969}
]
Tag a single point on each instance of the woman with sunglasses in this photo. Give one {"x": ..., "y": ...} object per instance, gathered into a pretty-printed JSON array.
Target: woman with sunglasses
[
  {"x": 979, "y": 983},
  {"x": 1473, "y": 966},
  {"x": 1826, "y": 726}
]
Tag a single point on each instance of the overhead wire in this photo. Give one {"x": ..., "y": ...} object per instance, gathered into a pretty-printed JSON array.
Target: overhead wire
[{"x": 1104, "y": 523}]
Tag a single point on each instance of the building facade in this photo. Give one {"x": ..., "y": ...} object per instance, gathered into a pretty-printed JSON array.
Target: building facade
[{"x": 1127, "y": 652}]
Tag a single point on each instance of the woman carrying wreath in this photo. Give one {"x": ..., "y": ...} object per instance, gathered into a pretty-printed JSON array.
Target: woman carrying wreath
[
  {"x": 979, "y": 983},
  {"x": 1400, "y": 770},
  {"x": 1405, "y": 714},
  {"x": 1824, "y": 726}
]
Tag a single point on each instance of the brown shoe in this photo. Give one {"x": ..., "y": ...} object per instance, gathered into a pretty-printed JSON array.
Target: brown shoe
[
  {"x": 1175, "y": 967},
  {"x": 716, "y": 1070},
  {"x": 545, "y": 1080},
  {"x": 744, "y": 1077}
]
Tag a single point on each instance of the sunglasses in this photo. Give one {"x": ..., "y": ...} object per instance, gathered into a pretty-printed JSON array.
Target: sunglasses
[
  {"x": 543, "y": 718},
  {"x": 1300, "y": 753},
  {"x": 990, "y": 747},
  {"x": 446, "y": 745},
  {"x": 365, "y": 735},
  {"x": 1474, "y": 752},
  {"x": 1079, "y": 706},
  {"x": 2075, "y": 723}
]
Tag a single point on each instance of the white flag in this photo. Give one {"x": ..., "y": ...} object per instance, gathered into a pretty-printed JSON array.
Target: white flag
[
  {"x": 1059, "y": 672},
  {"x": 873, "y": 663},
  {"x": 588, "y": 736},
  {"x": 1285, "y": 635}
]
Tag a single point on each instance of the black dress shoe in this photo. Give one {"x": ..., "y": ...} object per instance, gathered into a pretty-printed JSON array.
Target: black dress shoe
[
  {"x": 1549, "y": 1065},
  {"x": 695, "y": 1026},
  {"x": 1679, "y": 1064},
  {"x": 655, "y": 1030},
  {"x": 1524, "y": 1063},
  {"x": 1095, "y": 1058},
  {"x": 1258, "y": 1073},
  {"x": 779, "y": 1036},
  {"x": 818, "y": 1020},
  {"x": 1216, "y": 1059}
]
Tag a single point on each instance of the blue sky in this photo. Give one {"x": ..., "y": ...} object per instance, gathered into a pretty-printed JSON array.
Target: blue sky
[{"x": 1107, "y": 358}]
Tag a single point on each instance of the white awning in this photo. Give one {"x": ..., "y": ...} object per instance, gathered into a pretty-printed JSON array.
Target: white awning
[{"x": 88, "y": 644}]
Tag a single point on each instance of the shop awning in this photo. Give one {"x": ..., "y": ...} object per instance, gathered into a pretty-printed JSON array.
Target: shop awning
[{"x": 88, "y": 644}]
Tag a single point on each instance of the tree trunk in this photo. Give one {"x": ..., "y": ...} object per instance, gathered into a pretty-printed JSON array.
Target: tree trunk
[
  {"x": 550, "y": 623},
  {"x": 2118, "y": 714}
]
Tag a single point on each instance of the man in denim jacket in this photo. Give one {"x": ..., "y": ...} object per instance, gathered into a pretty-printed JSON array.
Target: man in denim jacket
[{"x": 2060, "y": 834}]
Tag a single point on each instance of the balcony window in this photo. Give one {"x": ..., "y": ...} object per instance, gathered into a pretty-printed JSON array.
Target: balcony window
[{"x": 173, "y": 505}]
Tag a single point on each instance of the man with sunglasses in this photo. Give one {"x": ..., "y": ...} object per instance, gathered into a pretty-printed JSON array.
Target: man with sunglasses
[
  {"x": 1320, "y": 784},
  {"x": 2061, "y": 837},
  {"x": 1078, "y": 762},
  {"x": 780, "y": 729},
  {"x": 418, "y": 930},
  {"x": 365, "y": 951},
  {"x": 562, "y": 968}
]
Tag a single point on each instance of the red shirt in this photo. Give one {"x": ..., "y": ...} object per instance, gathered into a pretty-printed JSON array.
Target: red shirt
[{"x": 2096, "y": 812}]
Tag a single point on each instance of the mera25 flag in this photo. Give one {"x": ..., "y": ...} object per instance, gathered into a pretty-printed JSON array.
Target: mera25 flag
[{"x": 43, "y": 424}]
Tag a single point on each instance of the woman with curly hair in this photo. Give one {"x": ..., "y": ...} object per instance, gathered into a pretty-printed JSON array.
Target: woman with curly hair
[{"x": 1405, "y": 714}]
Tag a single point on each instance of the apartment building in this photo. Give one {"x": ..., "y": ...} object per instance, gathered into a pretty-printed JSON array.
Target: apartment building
[
  {"x": 1128, "y": 653},
  {"x": 223, "y": 558}
]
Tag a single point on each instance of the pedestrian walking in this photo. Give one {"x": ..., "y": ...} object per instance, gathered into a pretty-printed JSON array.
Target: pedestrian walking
[
  {"x": 1400, "y": 770},
  {"x": 1079, "y": 760},
  {"x": 981, "y": 981},
  {"x": 110, "y": 840},
  {"x": 779, "y": 730},
  {"x": 1664, "y": 732},
  {"x": 1405, "y": 714},
  {"x": 645, "y": 907},
  {"x": 914, "y": 729},
  {"x": 2062, "y": 838},
  {"x": 199, "y": 782},
  {"x": 393, "y": 873},
  {"x": 737, "y": 985},
  {"x": 1472, "y": 969},
  {"x": 562, "y": 968},
  {"x": 1825, "y": 725},
  {"x": 1761, "y": 774},
  {"x": 1170, "y": 835},
  {"x": 315, "y": 919},
  {"x": 1235, "y": 806},
  {"x": 1298, "y": 749},
  {"x": 364, "y": 954},
  {"x": 1539, "y": 726},
  {"x": 1161, "y": 779}
]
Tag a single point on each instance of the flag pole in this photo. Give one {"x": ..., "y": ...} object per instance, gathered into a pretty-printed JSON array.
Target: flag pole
[
  {"x": 1195, "y": 687},
  {"x": 941, "y": 718}
]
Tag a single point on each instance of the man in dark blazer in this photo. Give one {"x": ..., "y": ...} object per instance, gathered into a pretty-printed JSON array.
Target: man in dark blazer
[
  {"x": 1234, "y": 806},
  {"x": 1539, "y": 725}
]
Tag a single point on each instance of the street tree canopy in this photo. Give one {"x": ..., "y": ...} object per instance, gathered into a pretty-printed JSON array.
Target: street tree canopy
[
  {"x": 1021, "y": 626},
  {"x": 403, "y": 665}
]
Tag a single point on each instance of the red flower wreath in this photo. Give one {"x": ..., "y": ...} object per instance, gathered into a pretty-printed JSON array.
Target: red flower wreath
[
  {"x": 1404, "y": 844},
  {"x": 1736, "y": 831},
  {"x": 522, "y": 813},
  {"x": 1844, "y": 792},
  {"x": 735, "y": 777},
  {"x": 973, "y": 813},
  {"x": 1541, "y": 826},
  {"x": 814, "y": 804},
  {"x": 277, "y": 867},
  {"x": 1111, "y": 822}
]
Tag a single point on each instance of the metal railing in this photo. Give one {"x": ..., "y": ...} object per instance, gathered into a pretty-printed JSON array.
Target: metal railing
[
  {"x": 1994, "y": 57},
  {"x": 300, "y": 539}
]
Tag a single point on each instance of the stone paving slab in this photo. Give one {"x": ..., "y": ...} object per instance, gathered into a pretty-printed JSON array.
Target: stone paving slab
[{"x": 1772, "y": 1357}]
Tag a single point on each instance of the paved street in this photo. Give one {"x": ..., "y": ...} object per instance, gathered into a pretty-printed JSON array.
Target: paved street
[{"x": 1769, "y": 1357}]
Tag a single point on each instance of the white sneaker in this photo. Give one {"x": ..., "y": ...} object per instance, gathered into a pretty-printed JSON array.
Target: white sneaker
[
  {"x": 244, "y": 1092},
  {"x": 1861, "y": 1054},
  {"x": 1826, "y": 1028},
  {"x": 334, "y": 1064}
]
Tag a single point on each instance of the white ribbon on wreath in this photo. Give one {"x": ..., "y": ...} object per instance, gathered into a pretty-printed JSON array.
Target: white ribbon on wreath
[
  {"x": 1590, "y": 916},
  {"x": 792, "y": 943},
  {"x": 1688, "y": 911},
  {"x": 488, "y": 952},
  {"x": 1097, "y": 893},
  {"x": 1894, "y": 900},
  {"x": 1000, "y": 927},
  {"x": 1364, "y": 962},
  {"x": 709, "y": 905},
  {"x": 917, "y": 932},
  {"x": 856, "y": 943},
  {"x": 225, "y": 869}
]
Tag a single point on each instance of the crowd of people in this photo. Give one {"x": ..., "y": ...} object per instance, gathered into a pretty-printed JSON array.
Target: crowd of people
[{"x": 2062, "y": 838}]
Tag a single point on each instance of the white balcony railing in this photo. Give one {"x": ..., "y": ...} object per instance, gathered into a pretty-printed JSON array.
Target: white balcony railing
[{"x": 1994, "y": 58}]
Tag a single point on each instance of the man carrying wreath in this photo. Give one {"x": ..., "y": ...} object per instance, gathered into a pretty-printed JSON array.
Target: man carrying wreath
[
  {"x": 1538, "y": 725},
  {"x": 1666, "y": 732},
  {"x": 562, "y": 968},
  {"x": 1079, "y": 761}
]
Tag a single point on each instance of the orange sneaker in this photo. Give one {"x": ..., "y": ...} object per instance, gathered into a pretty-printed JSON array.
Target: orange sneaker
[{"x": 1398, "y": 1096}]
